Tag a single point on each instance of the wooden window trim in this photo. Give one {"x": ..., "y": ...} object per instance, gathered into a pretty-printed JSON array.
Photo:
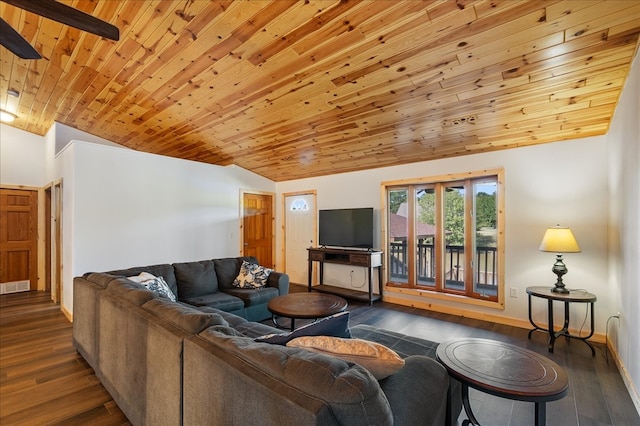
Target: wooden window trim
[{"x": 467, "y": 296}]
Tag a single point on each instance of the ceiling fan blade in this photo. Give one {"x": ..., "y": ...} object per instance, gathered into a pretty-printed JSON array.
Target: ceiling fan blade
[
  {"x": 69, "y": 16},
  {"x": 13, "y": 41}
]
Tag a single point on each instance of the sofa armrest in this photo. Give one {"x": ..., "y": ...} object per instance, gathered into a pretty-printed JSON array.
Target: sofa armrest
[
  {"x": 279, "y": 280},
  {"x": 418, "y": 392}
]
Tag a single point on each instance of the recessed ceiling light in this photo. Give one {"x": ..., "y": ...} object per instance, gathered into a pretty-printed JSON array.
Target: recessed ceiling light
[
  {"x": 6, "y": 116},
  {"x": 13, "y": 92}
]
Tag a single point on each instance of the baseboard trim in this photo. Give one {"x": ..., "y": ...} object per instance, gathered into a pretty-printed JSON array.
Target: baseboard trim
[
  {"x": 498, "y": 319},
  {"x": 66, "y": 313},
  {"x": 626, "y": 378}
]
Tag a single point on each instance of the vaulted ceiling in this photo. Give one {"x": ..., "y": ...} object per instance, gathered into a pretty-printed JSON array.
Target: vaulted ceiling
[{"x": 292, "y": 89}]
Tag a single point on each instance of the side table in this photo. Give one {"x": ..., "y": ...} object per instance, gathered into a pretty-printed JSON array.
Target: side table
[
  {"x": 575, "y": 296},
  {"x": 503, "y": 370},
  {"x": 305, "y": 306}
]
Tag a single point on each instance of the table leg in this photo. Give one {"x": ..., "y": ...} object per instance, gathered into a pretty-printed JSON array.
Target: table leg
[
  {"x": 593, "y": 351},
  {"x": 565, "y": 327},
  {"x": 274, "y": 319},
  {"x": 370, "y": 287},
  {"x": 533, "y": 323},
  {"x": 552, "y": 334},
  {"x": 568, "y": 336},
  {"x": 471, "y": 419},
  {"x": 541, "y": 414},
  {"x": 449, "y": 421}
]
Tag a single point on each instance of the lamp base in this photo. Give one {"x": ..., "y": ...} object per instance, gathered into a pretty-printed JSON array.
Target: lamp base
[
  {"x": 559, "y": 269},
  {"x": 561, "y": 290}
]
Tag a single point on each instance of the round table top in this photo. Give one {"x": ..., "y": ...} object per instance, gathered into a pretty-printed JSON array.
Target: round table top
[
  {"x": 503, "y": 370},
  {"x": 573, "y": 295},
  {"x": 307, "y": 305}
]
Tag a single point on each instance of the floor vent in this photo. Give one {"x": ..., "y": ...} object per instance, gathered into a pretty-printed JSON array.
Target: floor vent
[{"x": 14, "y": 287}]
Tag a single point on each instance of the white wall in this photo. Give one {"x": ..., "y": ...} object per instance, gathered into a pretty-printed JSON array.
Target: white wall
[
  {"x": 22, "y": 157},
  {"x": 563, "y": 182},
  {"x": 65, "y": 134},
  {"x": 125, "y": 208},
  {"x": 624, "y": 230}
]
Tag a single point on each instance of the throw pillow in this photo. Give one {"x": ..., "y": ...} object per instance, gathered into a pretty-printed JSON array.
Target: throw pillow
[
  {"x": 155, "y": 284},
  {"x": 378, "y": 359},
  {"x": 252, "y": 275},
  {"x": 336, "y": 325}
]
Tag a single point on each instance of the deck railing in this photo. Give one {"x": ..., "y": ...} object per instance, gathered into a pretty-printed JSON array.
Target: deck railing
[{"x": 485, "y": 264}]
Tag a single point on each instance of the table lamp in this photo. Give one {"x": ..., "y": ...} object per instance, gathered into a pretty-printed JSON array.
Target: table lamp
[{"x": 558, "y": 239}]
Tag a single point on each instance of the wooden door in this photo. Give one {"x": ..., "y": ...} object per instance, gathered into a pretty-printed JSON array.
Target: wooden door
[
  {"x": 257, "y": 227},
  {"x": 300, "y": 232},
  {"x": 19, "y": 237}
]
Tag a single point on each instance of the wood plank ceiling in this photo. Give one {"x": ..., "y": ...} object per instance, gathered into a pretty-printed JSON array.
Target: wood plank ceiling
[{"x": 292, "y": 89}]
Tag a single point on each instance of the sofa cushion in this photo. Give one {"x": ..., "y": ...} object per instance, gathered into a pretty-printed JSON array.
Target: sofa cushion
[
  {"x": 378, "y": 359},
  {"x": 251, "y": 275},
  {"x": 255, "y": 329},
  {"x": 164, "y": 270},
  {"x": 155, "y": 284},
  {"x": 227, "y": 270},
  {"x": 351, "y": 392},
  {"x": 101, "y": 279},
  {"x": 195, "y": 278},
  {"x": 189, "y": 319},
  {"x": 222, "y": 301},
  {"x": 232, "y": 319},
  {"x": 130, "y": 291},
  {"x": 336, "y": 325},
  {"x": 254, "y": 296}
]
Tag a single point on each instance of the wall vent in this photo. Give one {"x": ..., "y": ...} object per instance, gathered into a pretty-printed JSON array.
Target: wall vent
[{"x": 14, "y": 287}]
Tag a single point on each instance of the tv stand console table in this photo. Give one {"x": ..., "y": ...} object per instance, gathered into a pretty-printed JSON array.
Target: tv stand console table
[{"x": 366, "y": 259}]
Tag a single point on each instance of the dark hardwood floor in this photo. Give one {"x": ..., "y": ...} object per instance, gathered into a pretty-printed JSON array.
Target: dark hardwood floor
[{"x": 43, "y": 381}]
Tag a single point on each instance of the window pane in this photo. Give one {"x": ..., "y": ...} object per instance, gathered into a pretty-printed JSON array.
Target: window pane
[
  {"x": 486, "y": 237},
  {"x": 454, "y": 236},
  {"x": 425, "y": 235},
  {"x": 398, "y": 227}
]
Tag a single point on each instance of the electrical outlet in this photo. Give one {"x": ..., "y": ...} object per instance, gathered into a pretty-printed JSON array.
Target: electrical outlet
[{"x": 513, "y": 292}]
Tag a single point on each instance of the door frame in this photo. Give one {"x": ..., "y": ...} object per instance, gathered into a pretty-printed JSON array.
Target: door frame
[
  {"x": 53, "y": 240},
  {"x": 273, "y": 220},
  {"x": 312, "y": 192}
]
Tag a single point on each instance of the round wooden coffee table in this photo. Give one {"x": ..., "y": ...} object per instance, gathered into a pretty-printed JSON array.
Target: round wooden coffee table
[
  {"x": 305, "y": 306},
  {"x": 503, "y": 370}
]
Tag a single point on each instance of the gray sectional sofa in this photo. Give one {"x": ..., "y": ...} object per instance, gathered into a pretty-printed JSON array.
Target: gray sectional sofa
[
  {"x": 172, "y": 363},
  {"x": 210, "y": 283}
]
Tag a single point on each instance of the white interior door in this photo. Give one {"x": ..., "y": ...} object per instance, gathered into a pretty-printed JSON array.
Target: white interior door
[{"x": 300, "y": 233}]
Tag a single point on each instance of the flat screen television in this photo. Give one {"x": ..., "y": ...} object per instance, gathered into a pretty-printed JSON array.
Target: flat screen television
[{"x": 349, "y": 228}]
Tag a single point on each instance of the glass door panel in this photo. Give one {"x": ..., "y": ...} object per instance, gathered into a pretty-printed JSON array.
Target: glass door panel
[
  {"x": 485, "y": 281},
  {"x": 398, "y": 227},
  {"x": 454, "y": 218},
  {"x": 425, "y": 236}
]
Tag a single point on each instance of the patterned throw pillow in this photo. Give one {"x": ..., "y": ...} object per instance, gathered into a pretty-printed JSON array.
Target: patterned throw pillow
[
  {"x": 378, "y": 359},
  {"x": 252, "y": 275},
  {"x": 155, "y": 284}
]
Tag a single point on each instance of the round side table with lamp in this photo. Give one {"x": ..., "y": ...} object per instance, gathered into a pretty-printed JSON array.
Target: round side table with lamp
[{"x": 571, "y": 296}]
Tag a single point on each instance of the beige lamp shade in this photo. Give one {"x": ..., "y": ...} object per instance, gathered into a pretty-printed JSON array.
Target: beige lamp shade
[{"x": 559, "y": 239}]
